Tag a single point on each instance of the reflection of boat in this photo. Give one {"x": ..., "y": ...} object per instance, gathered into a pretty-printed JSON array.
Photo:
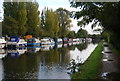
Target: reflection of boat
[
  {"x": 88, "y": 39},
  {"x": 16, "y": 42},
  {"x": 2, "y": 42},
  {"x": 58, "y": 41},
  {"x": 69, "y": 44},
  {"x": 17, "y": 52},
  {"x": 47, "y": 47},
  {"x": 33, "y": 42},
  {"x": 65, "y": 45},
  {"x": 59, "y": 45},
  {"x": 47, "y": 41},
  {"x": 70, "y": 40},
  {"x": 2, "y": 53},
  {"x": 33, "y": 49},
  {"x": 65, "y": 40}
]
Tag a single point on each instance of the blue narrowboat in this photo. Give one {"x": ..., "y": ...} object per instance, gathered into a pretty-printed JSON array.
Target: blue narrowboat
[{"x": 33, "y": 42}]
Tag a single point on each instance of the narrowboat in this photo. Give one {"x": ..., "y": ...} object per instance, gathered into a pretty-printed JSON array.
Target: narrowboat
[{"x": 33, "y": 42}]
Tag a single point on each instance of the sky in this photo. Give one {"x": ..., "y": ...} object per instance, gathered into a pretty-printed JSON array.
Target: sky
[{"x": 55, "y": 4}]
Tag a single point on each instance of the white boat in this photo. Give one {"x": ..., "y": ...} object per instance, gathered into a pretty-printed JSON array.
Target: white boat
[
  {"x": 47, "y": 41},
  {"x": 16, "y": 42},
  {"x": 2, "y": 42},
  {"x": 2, "y": 53}
]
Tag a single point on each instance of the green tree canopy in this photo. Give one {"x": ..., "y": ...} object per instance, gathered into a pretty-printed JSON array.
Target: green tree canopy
[
  {"x": 82, "y": 33},
  {"x": 33, "y": 19},
  {"x": 106, "y": 15},
  {"x": 64, "y": 21}
]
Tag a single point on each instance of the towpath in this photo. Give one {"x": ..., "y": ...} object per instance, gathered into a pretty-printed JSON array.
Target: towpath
[{"x": 110, "y": 65}]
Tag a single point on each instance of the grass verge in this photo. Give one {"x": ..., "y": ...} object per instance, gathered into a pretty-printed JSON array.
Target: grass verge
[{"x": 91, "y": 68}]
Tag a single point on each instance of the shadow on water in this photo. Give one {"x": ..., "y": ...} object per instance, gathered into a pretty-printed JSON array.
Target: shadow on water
[{"x": 46, "y": 62}]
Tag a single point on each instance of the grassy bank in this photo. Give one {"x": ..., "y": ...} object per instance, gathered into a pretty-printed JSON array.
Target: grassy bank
[{"x": 91, "y": 68}]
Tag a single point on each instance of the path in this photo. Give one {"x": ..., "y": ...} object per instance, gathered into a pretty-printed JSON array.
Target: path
[{"x": 110, "y": 65}]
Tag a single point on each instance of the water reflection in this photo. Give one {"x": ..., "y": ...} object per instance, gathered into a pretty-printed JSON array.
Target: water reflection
[
  {"x": 33, "y": 49},
  {"x": 46, "y": 62},
  {"x": 46, "y": 47},
  {"x": 82, "y": 46},
  {"x": 2, "y": 53},
  {"x": 81, "y": 55},
  {"x": 15, "y": 53}
]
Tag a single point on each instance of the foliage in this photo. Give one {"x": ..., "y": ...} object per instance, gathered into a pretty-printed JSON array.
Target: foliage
[
  {"x": 82, "y": 33},
  {"x": 49, "y": 23},
  {"x": 64, "y": 21},
  {"x": 21, "y": 18},
  {"x": 33, "y": 19},
  {"x": 104, "y": 14},
  {"x": 10, "y": 22},
  {"x": 71, "y": 34}
]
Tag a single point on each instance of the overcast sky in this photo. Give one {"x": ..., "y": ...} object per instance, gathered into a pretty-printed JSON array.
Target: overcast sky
[{"x": 55, "y": 4}]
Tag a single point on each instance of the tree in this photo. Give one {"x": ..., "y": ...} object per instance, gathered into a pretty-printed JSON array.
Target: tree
[
  {"x": 10, "y": 22},
  {"x": 22, "y": 18},
  {"x": 33, "y": 19},
  {"x": 50, "y": 23},
  {"x": 64, "y": 21},
  {"x": 71, "y": 34},
  {"x": 82, "y": 33},
  {"x": 106, "y": 15}
]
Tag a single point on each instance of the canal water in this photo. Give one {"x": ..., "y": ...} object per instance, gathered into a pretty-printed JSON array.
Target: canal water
[{"x": 46, "y": 62}]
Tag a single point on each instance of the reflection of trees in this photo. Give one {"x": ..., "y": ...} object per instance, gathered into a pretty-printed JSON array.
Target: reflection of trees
[
  {"x": 31, "y": 64},
  {"x": 22, "y": 67},
  {"x": 56, "y": 56},
  {"x": 72, "y": 47},
  {"x": 82, "y": 46}
]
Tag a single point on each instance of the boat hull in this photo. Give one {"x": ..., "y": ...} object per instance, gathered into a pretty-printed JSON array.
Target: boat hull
[
  {"x": 33, "y": 44},
  {"x": 10, "y": 46}
]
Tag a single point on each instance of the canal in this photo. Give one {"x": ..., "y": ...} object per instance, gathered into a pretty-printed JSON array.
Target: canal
[{"x": 46, "y": 62}]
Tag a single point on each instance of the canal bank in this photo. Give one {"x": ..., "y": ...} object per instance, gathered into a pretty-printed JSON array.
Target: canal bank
[{"x": 91, "y": 68}]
